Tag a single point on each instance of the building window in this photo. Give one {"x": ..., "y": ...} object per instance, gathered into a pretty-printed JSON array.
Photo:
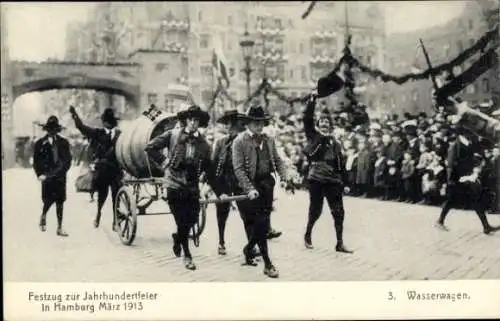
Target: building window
[
  {"x": 471, "y": 89},
  {"x": 204, "y": 41},
  {"x": 206, "y": 71},
  {"x": 303, "y": 72},
  {"x": 486, "y": 85},
  {"x": 161, "y": 67},
  {"x": 414, "y": 95},
  {"x": 446, "y": 50},
  {"x": 152, "y": 98},
  {"x": 169, "y": 103}
]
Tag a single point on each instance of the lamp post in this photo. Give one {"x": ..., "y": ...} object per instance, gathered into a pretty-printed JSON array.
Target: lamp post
[{"x": 247, "y": 47}]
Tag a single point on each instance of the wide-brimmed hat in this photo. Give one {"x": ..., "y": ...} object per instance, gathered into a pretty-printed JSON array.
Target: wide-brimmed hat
[
  {"x": 255, "y": 113},
  {"x": 52, "y": 124},
  {"x": 228, "y": 116},
  {"x": 195, "y": 111},
  {"x": 109, "y": 116}
]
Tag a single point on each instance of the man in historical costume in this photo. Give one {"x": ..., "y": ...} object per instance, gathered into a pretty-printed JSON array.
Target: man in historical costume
[
  {"x": 187, "y": 160},
  {"x": 51, "y": 162},
  {"x": 326, "y": 175},
  {"x": 463, "y": 178},
  {"x": 255, "y": 158},
  {"x": 108, "y": 173},
  {"x": 225, "y": 182}
]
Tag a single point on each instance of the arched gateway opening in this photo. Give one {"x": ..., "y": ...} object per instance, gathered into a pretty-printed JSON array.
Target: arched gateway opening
[
  {"x": 122, "y": 79},
  {"x": 63, "y": 80}
]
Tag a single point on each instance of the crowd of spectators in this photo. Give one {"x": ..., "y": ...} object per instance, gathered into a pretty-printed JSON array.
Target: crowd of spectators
[{"x": 390, "y": 158}]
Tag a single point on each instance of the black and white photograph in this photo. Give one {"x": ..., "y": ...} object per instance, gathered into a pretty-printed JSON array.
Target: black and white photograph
[{"x": 275, "y": 143}]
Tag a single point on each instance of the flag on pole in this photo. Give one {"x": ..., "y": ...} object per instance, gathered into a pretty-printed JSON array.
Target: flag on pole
[{"x": 219, "y": 62}]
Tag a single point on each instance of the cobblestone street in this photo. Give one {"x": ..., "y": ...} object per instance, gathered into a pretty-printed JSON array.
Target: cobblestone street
[{"x": 392, "y": 241}]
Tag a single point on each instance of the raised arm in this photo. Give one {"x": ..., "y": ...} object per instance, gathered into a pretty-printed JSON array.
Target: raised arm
[
  {"x": 308, "y": 118},
  {"x": 88, "y": 131}
]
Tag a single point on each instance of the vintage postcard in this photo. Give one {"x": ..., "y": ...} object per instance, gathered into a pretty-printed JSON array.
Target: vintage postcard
[{"x": 250, "y": 160}]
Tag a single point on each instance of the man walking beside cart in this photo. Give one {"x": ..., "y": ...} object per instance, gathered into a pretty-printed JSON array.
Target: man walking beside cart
[
  {"x": 107, "y": 170},
  {"x": 188, "y": 158}
]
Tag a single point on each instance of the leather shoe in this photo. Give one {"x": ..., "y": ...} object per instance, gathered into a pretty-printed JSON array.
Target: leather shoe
[
  {"x": 43, "y": 225},
  {"x": 272, "y": 234},
  {"x": 342, "y": 249},
  {"x": 61, "y": 232},
  {"x": 271, "y": 271},
  {"x": 189, "y": 264},
  {"x": 308, "y": 243},
  {"x": 249, "y": 257},
  {"x": 222, "y": 250},
  {"x": 491, "y": 229},
  {"x": 441, "y": 226},
  {"x": 177, "y": 245}
]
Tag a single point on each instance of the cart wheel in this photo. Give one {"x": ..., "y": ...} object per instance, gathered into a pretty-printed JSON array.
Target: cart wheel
[
  {"x": 126, "y": 215},
  {"x": 199, "y": 226}
]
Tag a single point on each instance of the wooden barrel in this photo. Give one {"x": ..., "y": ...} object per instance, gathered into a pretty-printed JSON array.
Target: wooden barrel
[{"x": 134, "y": 139}]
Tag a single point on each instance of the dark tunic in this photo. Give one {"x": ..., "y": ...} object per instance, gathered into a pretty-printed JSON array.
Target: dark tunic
[{"x": 54, "y": 164}]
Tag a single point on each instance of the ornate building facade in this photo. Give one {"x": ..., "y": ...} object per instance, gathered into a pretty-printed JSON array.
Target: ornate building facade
[{"x": 290, "y": 52}]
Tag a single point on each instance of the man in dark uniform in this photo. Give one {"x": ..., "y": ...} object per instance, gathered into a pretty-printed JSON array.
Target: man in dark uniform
[
  {"x": 188, "y": 158},
  {"x": 224, "y": 179},
  {"x": 326, "y": 175},
  {"x": 51, "y": 162},
  {"x": 107, "y": 170},
  {"x": 255, "y": 158},
  {"x": 463, "y": 179}
]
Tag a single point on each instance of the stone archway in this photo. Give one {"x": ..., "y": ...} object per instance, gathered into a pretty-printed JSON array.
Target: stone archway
[{"x": 23, "y": 77}]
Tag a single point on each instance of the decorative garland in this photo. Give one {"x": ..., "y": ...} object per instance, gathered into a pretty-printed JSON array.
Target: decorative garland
[{"x": 480, "y": 45}]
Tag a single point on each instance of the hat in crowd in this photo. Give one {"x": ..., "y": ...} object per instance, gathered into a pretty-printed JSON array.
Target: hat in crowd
[
  {"x": 228, "y": 116},
  {"x": 422, "y": 114},
  {"x": 195, "y": 111},
  {"x": 108, "y": 116},
  {"x": 477, "y": 159},
  {"x": 52, "y": 124},
  {"x": 255, "y": 113}
]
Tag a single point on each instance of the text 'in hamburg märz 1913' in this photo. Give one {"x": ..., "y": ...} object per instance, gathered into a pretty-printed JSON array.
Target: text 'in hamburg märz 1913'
[{"x": 91, "y": 302}]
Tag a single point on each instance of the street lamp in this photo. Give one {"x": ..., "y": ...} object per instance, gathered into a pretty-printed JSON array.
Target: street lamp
[{"x": 247, "y": 47}]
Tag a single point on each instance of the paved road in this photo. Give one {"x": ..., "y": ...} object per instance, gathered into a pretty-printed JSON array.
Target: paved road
[{"x": 392, "y": 241}]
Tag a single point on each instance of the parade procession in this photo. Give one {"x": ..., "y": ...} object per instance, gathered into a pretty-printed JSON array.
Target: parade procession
[{"x": 220, "y": 184}]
